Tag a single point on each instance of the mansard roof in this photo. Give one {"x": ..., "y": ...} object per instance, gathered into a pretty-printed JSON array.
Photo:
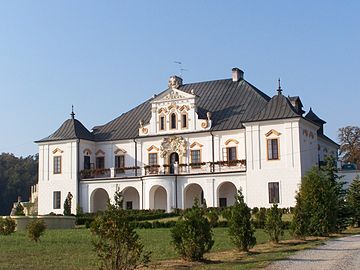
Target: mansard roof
[
  {"x": 279, "y": 107},
  {"x": 230, "y": 103},
  {"x": 70, "y": 129}
]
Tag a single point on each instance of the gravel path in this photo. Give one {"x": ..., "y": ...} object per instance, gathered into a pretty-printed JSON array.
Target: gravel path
[{"x": 338, "y": 254}]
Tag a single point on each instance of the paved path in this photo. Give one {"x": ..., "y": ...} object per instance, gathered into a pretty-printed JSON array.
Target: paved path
[{"x": 337, "y": 254}]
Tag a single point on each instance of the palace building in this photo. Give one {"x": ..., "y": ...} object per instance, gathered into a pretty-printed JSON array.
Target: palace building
[{"x": 204, "y": 140}]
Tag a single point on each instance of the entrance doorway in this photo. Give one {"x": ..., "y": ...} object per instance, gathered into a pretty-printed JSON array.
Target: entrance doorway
[{"x": 174, "y": 158}]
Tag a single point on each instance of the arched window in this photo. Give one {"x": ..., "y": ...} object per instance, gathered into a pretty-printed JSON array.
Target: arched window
[
  {"x": 173, "y": 121},
  {"x": 184, "y": 121}
]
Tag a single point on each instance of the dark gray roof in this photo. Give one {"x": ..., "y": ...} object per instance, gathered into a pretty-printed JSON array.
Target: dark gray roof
[
  {"x": 70, "y": 129},
  {"x": 311, "y": 116},
  {"x": 279, "y": 107},
  {"x": 230, "y": 103}
]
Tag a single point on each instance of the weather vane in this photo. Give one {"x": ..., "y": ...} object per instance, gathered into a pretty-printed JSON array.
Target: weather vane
[{"x": 181, "y": 69}]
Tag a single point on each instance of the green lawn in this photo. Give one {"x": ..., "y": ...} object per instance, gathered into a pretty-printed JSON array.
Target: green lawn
[{"x": 72, "y": 249}]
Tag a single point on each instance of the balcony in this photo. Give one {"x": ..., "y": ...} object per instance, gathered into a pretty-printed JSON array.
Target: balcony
[{"x": 180, "y": 169}]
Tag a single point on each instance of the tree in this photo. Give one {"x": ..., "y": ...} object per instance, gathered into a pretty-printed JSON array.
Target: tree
[
  {"x": 299, "y": 224},
  {"x": 17, "y": 174},
  {"x": 192, "y": 234},
  {"x": 316, "y": 202},
  {"x": 35, "y": 229},
  {"x": 240, "y": 228},
  {"x": 273, "y": 223},
  {"x": 340, "y": 210},
  {"x": 349, "y": 138},
  {"x": 353, "y": 199},
  {"x": 117, "y": 244},
  {"x": 67, "y": 204}
]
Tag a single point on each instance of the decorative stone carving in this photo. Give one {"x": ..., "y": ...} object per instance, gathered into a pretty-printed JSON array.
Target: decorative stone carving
[
  {"x": 175, "y": 82},
  {"x": 204, "y": 124},
  {"x": 173, "y": 144},
  {"x": 173, "y": 95},
  {"x": 145, "y": 130}
]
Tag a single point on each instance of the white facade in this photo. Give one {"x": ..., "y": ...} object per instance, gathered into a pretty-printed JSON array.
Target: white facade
[{"x": 224, "y": 161}]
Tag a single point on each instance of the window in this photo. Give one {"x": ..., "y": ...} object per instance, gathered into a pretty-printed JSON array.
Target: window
[
  {"x": 87, "y": 165},
  {"x": 100, "y": 162},
  {"x": 195, "y": 158},
  {"x": 184, "y": 120},
  {"x": 173, "y": 121},
  {"x": 129, "y": 205},
  {"x": 273, "y": 192},
  {"x": 56, "y": 199},
  {"x": 153, "y": 159},
  {"x": 162, "y": 122},
  {"x": 231, "y": 153},
  {"x": 273, "y": 149},
  {"x": 120, "y": 161},
  {"x": 57, "y": 164}
]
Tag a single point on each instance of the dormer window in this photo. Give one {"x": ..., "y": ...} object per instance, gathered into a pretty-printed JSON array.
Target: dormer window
[
  {"x": 173, "y": 121},
  {"x": 184, "y": 121},
  {"x": 162, "y": 122}
]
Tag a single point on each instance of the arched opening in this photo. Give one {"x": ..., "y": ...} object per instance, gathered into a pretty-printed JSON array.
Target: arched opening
[
  {"x": 131, "y": 198},
  {"x": 98, "y": 200},
  {"x": 158, "y": 198},
  {"x": 226, "y": 194},
  {"x": 191, "y": 192},
  {"x": 173, "y": 121},
  {"x": 174, "y": 158}
]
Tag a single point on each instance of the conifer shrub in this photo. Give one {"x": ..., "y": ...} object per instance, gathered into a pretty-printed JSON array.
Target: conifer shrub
[
  {"x": 241, "y": 230},
  {"x": 117, "y": 244},
  {"x": 192, "y": 235},
  {"x": 259, "y": 218},
  {"x": 35, "y": 229},
  {"x": 274, "y": 224},
  {"x": 7, "y": 226},
  {"x": 353, "y": 200}
]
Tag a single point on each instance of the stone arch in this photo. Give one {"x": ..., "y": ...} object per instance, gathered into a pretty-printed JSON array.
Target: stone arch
[
  {"x": 131, "y": 198},
  {"x": 98, "y": 200},
  {"x": 158, "y": 197},
  {"x": 191, "y": 192},
  {"x": 226, "y": 192}
]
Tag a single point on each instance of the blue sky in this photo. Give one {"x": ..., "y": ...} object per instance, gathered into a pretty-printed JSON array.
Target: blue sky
[{"x": 106, "y": 57}]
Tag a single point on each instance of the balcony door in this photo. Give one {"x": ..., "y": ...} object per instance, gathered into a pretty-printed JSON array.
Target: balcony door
[{"x": 174, "y": 157}]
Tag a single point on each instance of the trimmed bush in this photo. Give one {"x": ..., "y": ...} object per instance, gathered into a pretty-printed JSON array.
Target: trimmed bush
[
  {"x": 274, "y": 224},
  {"x": 7, "y": 226},
  {"x": 240, "y": 228},
  {"x": 35, "y": 229},
  {"x": 192, "y": 235},
  {"x": 117, "y": 244}
]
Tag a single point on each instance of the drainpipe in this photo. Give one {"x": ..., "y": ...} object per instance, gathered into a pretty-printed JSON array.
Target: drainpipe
[
  {"x": 142, "y": 193},
  {"x": 78, "y": 172},
  {"x": 176, "y": 195},
  {"x": 213, "y": 153},
  {"x": 135, "y": 157}
]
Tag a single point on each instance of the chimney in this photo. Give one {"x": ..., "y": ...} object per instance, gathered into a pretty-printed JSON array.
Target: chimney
[{"x": 237, "y": 74}]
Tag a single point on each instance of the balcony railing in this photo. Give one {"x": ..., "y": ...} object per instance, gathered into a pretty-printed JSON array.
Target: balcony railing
[{"x": 192, "y": 168}]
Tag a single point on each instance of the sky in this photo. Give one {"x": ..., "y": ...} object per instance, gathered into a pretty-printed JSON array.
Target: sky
[{"x": 105, "y": 57}]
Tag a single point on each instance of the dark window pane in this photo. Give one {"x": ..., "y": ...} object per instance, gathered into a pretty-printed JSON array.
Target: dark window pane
[
  {"x": 273, "y": 192},
  {"x": 162, "y": 123},
  {"x": 120, "y": 161},
  {"x": 56, "y": 199},
  {"x": 87, "y": 163},
  {"x": 57, "y": 164},
  {"x": 100, "y": 163},
  {"x": 273, "y": 149},
  {"x": 231, "y": 153},
  {"x": 223, "y": 202},
  {"x": 184, "y": 121},
  {"x": 173, "y": 121},
  {"x": 153, "y": 159}
]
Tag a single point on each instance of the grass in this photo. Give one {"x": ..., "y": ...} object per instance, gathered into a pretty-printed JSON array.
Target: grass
[{"x": 72, "y": 249}]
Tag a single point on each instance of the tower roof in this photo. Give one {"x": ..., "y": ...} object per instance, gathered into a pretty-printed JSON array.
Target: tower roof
[{"x": 70, "y": 129}]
